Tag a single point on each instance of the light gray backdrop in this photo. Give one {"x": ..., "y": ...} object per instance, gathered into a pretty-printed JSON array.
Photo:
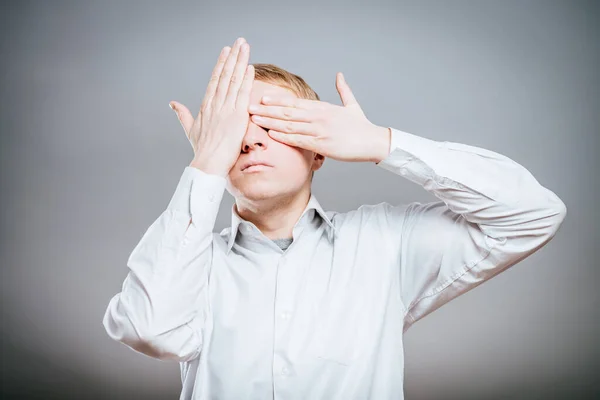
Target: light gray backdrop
[{"x": 91, "y": 154}]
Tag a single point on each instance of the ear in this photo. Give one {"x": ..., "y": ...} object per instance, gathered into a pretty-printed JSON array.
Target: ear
[{"x": 318, "y": 160}]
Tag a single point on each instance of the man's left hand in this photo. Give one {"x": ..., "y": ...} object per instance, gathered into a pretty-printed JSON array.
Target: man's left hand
[{"x": 339, "y": 132}]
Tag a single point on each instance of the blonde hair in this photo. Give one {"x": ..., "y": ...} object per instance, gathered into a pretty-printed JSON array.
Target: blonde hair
[
  {"x": 275, "y": 75},
  {"x": 270, "y": 73}
]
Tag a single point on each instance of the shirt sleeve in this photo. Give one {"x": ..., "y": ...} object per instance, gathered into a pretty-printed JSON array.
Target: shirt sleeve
[
  {"x": 161, "y": 309},
  {"x": 492, "y": 214}
]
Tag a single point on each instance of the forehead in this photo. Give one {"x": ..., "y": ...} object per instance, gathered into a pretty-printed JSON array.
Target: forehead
[{"x": 260, "y": 89}]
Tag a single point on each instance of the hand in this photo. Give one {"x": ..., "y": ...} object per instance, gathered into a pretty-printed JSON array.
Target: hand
[
  {"x": 217, "y": 133},
  {"x": 339, "y": 132}
]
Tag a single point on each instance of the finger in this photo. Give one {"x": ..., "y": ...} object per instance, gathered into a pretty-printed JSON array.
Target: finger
[
  {"x": 302, "y": 141},
  {"x": 225, "y": 78},
  {"x": 343, "y": 89},
  {"x": 238, "y": 74},
  {"x": 283, "y": 113},
  {"x": 290, "y": 101},
  {"x": 303, "y": 128},
  {"x": 214, "y": 78},
  {"x": 243, "y": 98},
  {"x": 184, "y": 115}
]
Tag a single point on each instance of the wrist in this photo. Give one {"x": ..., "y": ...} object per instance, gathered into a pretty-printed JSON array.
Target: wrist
[
  {"x": 383, "y": 140},
  {"x": 204, "y": 167}
]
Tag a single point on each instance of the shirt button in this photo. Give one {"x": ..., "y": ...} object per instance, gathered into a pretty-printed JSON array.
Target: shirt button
[
  {"x": 285, "y": 315},
  {"x": 282, "y": 262},
  {"x": 211, "y": 198},
  {"x": 285, "y": 371}
]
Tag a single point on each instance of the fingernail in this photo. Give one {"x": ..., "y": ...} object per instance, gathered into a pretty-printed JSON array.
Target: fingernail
[{"x": 171, "y": 105}]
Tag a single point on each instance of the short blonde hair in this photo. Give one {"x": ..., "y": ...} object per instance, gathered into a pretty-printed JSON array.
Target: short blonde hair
[
  {"x": 270, "y": 73},
  {"x": 275, "y": 75}
]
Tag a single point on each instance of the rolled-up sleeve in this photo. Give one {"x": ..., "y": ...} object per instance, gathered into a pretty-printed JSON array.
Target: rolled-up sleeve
[{"x": 491, "y": 214}]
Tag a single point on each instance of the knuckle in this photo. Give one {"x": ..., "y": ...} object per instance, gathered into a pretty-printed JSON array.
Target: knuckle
[{"x": 289, "y": 127}]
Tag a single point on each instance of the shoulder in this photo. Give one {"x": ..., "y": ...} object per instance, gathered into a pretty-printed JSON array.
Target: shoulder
[
  {"x": 381, "y": 218},
  {"x": 372, "y": 213}
]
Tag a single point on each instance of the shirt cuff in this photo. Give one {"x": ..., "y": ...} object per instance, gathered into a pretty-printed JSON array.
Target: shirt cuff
[
  {"x": 405, "y": 147},
  {"x": 198, "y": 195}
]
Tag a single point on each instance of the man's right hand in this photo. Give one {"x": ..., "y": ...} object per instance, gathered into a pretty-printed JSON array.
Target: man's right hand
[{"x": 217, "y": 133}]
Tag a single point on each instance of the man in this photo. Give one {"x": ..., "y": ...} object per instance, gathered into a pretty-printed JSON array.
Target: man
[{"x": 291, "y": 301}]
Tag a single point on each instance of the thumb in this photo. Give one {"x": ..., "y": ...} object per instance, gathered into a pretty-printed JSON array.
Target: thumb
[
  {"x": 184, "y": 115},
  {"x": 343, "y": 89}
]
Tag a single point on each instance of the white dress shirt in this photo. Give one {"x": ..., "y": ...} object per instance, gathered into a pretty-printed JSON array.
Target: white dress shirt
[{"x": 325, "y": 318}]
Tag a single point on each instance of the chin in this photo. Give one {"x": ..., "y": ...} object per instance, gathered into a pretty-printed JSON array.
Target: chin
[{"x": 255, "y": 189}]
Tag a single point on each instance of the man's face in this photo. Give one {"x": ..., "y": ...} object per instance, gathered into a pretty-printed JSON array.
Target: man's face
[{"x": 290, "y": 167}]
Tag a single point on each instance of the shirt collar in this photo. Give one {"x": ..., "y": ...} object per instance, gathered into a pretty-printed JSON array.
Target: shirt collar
[{"x": 312, "y": 204}]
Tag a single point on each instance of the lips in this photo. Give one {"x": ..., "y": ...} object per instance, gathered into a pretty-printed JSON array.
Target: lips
[{"x": 253, "y": 163}]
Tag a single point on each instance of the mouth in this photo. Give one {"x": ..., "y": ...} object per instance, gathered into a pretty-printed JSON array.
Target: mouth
[{"x": 256, "y": 167}]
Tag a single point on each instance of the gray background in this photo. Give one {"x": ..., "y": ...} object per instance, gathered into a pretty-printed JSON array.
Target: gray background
[{"x": 91, "y": 154}]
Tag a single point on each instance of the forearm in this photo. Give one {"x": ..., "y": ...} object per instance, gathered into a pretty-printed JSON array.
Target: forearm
[
  {"x": 160, "y": 310},
  {"x": 485, "y": 187}
]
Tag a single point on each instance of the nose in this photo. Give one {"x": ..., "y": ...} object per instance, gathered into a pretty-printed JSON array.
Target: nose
[{"x": 255, "y": 137}]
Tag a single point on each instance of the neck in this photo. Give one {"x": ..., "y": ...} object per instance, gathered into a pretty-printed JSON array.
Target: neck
[{"x": 275, "y": 217}]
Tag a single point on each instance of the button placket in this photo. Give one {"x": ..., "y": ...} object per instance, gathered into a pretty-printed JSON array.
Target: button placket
[
  {"x": 284, "y": 315},
  {"x": 283, "y": 305}
]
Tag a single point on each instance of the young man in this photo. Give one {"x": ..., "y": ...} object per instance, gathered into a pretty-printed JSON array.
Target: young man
[{"x": 291, "y": 301}]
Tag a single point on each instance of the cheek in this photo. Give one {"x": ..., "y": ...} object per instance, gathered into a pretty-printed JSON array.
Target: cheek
[
  {"x": 294, "y": 157},
  {"x": 284, "y": 150}
]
